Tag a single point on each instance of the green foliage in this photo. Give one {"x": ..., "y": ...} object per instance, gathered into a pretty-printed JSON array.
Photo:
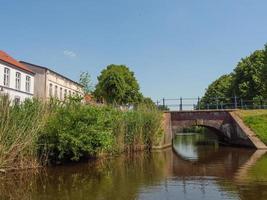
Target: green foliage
[
  {"x": 247, "y": 78},
  {"x": 163, "y": 107},
  {"x": 34, "y": 132},
  {"x": 86, "y": 82},
  {"x": 118, "y": 85},
  {"x": 19, "y": 128},
  {"x": 195, "y": 129},
  {"x": 148, "y": 102},
  {"x": 75, "y": 131},
  {"x": 247, "y": 82},
  {"x": 257, "y": 121},
  {"x": 264, "y": 72},
  {"x": 220, "y": 89},
  {"x": 142, "y": 127}
]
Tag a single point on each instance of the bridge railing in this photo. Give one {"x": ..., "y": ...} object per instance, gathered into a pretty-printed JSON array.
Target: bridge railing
[{"x": 216, "y": 103}]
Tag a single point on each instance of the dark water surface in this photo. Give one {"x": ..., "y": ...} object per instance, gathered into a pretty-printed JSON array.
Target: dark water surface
[{"x": 197, "y": 168}]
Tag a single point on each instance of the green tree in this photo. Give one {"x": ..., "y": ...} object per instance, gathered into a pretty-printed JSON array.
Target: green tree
[
  {"x": 148, "y": 102},
  {"x": 219, "y": 90},
  {"x": 86, "y": 82},
  {"x": 118, "y": 85},
  {"x": 264, "y": 71},
  {"x": 248, "y": 81}
]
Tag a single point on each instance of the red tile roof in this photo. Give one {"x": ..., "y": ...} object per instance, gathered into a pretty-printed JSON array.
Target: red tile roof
[{"x": 8, "y": 59}]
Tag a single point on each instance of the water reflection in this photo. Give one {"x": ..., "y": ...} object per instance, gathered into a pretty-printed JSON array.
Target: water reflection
[
  {"x": 195, "y": 146},
  {"x": 200, "y": 172}
]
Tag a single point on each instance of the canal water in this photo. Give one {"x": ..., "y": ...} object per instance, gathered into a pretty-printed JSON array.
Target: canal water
[{"x": 196, "y": 168}]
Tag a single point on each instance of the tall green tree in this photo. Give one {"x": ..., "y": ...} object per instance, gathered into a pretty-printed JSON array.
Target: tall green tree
[
  {"x": 118, "y": 85},
  {"x": 86, "y": 82},
  {"x": 248, "y": 80},
  {"x": 264, "y": 72},
  {"x": 219, "y": 90}
]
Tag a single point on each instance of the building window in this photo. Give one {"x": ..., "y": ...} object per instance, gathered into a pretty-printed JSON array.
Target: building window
[
  {"x": 50, "y": 89},
  {"x": 55, "y": 91},
  {"x": 18, "y": 80},
  {"x": 28, "y": 84},
  {"x": 60, "y": 93},
  {"x": 69, "y": 93},
  {"x": 65, "y": 93},
  {"x": 6, "y": 77}
]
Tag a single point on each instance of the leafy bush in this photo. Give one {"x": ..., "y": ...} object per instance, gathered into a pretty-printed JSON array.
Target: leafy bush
[{"x": 75, "y": 131}]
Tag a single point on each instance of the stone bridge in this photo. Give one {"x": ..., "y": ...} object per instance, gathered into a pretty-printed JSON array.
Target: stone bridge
[{"x": 226, "y": 123}]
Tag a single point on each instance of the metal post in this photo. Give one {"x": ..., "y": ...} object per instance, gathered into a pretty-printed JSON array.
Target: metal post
[
  {"x": 235, "y": 102},
  {"x": 242, "y": 103},
  {"x": 198, "y": 103},
  {"x": 163, "y": 102},
  {"x": 208, "y": 106},
  {"x": 181, "y": 103},
  {"x": 217, "y": 103},
  {"x": 261, "y": 104}
]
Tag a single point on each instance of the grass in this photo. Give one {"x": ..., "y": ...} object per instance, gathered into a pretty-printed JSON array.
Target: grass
[
  {"x": 256, "y": 120},
  {"x": 19, "y": 128}
]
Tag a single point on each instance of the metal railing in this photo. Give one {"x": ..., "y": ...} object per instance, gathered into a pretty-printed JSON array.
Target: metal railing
[{"x": 217, "y": 103}]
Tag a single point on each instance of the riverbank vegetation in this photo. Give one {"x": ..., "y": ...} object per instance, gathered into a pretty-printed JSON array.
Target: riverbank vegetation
[
  {"x": 257, "y": 121},
  {"x": 35, "y": 133}
]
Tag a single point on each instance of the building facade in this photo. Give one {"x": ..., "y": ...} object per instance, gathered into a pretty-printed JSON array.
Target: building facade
[
  {"x": 16, "y": 80},
  {"x": 49, "y": 83}
]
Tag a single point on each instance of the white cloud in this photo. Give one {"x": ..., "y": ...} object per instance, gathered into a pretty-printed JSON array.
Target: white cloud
[{"x": 69, "y": 53}]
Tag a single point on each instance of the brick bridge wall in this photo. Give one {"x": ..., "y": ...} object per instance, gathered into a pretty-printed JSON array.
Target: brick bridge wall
[{"x": 228, "y": 126}]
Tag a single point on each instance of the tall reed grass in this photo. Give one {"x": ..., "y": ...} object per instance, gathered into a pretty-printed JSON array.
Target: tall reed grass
[{"x": 19, "y": 128}]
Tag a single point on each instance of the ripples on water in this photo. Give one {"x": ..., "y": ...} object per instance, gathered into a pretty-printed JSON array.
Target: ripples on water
[{"x": 191, "y": 170}]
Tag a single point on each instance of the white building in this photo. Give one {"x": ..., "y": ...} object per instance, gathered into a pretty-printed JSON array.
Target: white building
[
  {"x": 49, "y": 83},
  {"x": 16, "y": 80}
]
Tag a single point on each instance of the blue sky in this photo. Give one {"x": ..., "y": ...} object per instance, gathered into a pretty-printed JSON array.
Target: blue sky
[{"x": 176, "y": 48}]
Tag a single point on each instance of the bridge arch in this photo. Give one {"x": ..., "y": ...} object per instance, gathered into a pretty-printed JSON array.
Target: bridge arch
[
  {"x": 226, "y": 124},
  {"x": 216, "y": 127}
]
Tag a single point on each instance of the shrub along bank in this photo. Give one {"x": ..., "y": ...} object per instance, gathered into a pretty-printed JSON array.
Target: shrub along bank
[
  {"x": 257, "y": 121},
  {"x": 56, "y": 132}
]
